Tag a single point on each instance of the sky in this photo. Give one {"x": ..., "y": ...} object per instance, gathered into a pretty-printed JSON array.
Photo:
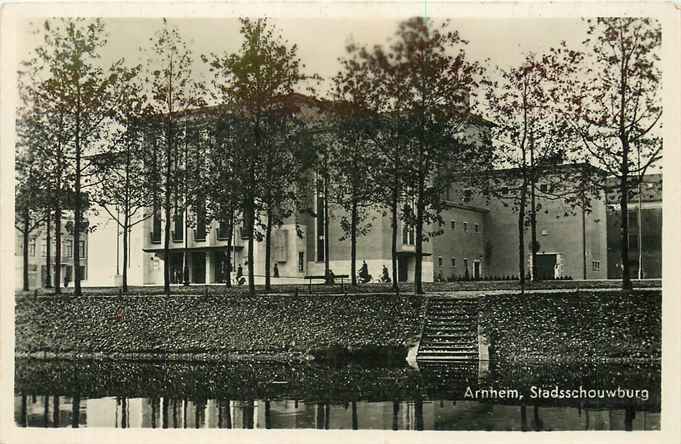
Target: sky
[{"x": 321, "y": 41}]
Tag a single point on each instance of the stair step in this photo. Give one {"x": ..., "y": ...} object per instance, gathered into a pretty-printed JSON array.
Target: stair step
[
  {"x": 442, "y": 351},
  {"x": 472, "y": 329},
  {"x": 452, "y": 348}
]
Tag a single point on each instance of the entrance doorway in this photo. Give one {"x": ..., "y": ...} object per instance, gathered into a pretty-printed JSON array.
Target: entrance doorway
[
  {"x": 476, "y": 270},
  {"x": 545, "y": 265},
  {"x": 198, "y": 268},
  {"x": 402, "y": 269}
]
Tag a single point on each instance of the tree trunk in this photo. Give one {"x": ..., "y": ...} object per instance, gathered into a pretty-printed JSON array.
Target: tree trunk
[
  {"x": 57, "y": 248},
  {"x": 418, "y": 270},
  {"x": 584, "y": 273},
  {"x": 77, "y": 212},
  {"x": 394, "y": 225},
  {"x": 126, "y": 228},
  {"x": 533, "y": 211},
  {"x": 48, "y": 258},
  {"x": 521, "y": 237},
  {"x": 26, "y": 234},
  {"x": 166, "y": 210},
  {"x": 268, "y": 248},
  {"x": 353, "y": 242},
  {"x": 251, "y": 245},
  {"x": 327, "y": 264},
  {"x": 624, "y": 229},
  {"x": 533, "y": 231},
  {"x": 228, "y": 258},
  {"x": 75, "y": 411}
]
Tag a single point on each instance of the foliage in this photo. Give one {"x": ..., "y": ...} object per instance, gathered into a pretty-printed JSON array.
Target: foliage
[
  {"x": 611, "y": 98},
  {"x": 258, "y": 85}
]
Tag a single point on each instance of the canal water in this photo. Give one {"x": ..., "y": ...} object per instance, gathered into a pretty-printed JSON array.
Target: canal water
[{"x": 339, "y": 396}]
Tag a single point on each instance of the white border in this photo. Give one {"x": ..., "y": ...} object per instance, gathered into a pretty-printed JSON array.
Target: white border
[{"x": 666, "y": 12}]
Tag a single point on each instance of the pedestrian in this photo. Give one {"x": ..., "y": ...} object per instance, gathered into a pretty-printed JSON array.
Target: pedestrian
[
  {"x": 276, "y": 271},
  {"x": 66, "y": 280},
  {"x": 386, "y": 276}
]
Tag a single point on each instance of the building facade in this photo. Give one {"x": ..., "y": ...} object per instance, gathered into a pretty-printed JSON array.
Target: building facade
[
  {"x": 645, "y": 230},
  {"x": 37, "y": 256}
]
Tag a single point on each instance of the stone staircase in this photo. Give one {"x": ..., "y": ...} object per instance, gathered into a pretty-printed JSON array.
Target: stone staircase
[{"x": 450, "y": 331}]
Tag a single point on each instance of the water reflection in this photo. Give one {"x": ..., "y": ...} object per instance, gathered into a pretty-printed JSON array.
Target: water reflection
[
  {"x": 276, "y": 396},
  {"x": 61, "y": 411}
]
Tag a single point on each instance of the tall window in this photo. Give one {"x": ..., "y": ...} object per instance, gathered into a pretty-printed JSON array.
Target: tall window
[
  {"x": 44, "y": 248},
  {"x": 465, "y": 226},
  {"x": 476, "y": 227},
  {"x": 156, "y": 223},
  {"x": 82, "y": 250},
  {"x": 178, "y": 225},
  {"x": 408, "y": 234},
  {"x": 68, "y": 249},
  {"x": 301, "y": 261},
  {"x": 31, "y": 247},
  {"x": 453, "y": 225},
  {"x": 319, "y": 210},
  {"x": 223, "y": 230},
  {"x": 200, "y": 233}
]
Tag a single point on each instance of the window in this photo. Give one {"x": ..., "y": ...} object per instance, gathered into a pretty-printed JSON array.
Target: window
[
  {"x": 465, "y": 226},
  {"x": 44, "y": 248},
  {"x": 477, "y": 228},
  {"x": 408, "y": 235},
  {"x": 222, "y": 230},
  {"x": 439, "y": 261},
  {"x": 83, "y": 277},
  {"x": 81, "y": 251},
  {"x": 156, "y": 224},
  {"x": 543, "y": 188},
  {"x": 467, "y": 195},
  {"x": 596, "y": 265},
  {"x": 201, "y": 228},
  {"x": 178, "y": 226},
  {"x": 68, "y": 249},
  {"x": 453, "y": 262},
  {"x": 453, "y": 225},
  {"x": 31, "y": 248},
  {"x": 301, "y": 261}
]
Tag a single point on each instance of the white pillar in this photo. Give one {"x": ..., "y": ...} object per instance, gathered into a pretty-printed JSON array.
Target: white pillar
[{"x": 210, "y": 268}]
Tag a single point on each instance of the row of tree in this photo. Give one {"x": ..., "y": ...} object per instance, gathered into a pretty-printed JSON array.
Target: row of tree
[{"x": 399, "y": 126}]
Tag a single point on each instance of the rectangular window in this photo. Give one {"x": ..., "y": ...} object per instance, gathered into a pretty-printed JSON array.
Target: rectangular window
[
  {"x": 31, "y": 248},
  {"x": 301, "y": 262},
  {"x": 439, "y": 261},
  {"x": 68, "y": 249},
  {"x": 453, "y": 262},
  {"x": 477, "y": 228},
  {"x": 82, "y": 251},
  {"x": 408, "y": 235},
  {"x": 596, "y": 265},
  {"x": 178, "y": 226},
  {"x": 83, "y": 277},
  {"x": 222, "y": 230},
  {"x": 201, "y": 223},
  {"x": 465, "y": 226},
  {"x": 543, "y": 188},
  {"x": 156, "y": 224},
  {"x": 453, "y": 225},
  {"x": 467, "y": 194},
  {"x": 44, "y": 248}
]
